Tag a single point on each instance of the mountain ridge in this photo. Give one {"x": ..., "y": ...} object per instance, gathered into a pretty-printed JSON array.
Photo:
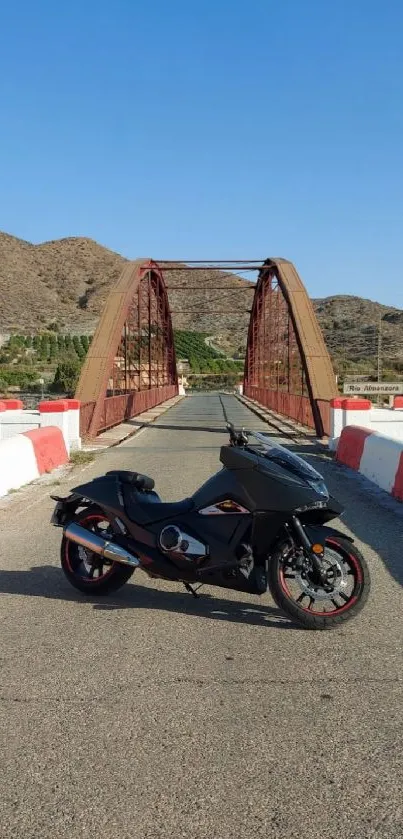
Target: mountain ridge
[{"x": 63, "y": 284}]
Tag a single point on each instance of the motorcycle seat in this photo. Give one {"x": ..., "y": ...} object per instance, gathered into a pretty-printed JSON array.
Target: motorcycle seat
[
  {"x": 147, "y": 508},
  {"x": 162, "y": 510},
  {"x": 134, "y": 479}
]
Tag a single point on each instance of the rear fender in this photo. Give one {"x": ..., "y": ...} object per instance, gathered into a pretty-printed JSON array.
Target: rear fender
[
  {"x": 104, "y": 491},
  {"x": 66, "y": 508}
]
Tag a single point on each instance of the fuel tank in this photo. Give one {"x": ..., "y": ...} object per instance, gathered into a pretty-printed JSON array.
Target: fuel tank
[{"x": 254, "y": 482}]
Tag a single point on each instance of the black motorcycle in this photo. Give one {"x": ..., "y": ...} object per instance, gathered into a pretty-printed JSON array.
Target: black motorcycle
[{"x": 257, "y": 524}]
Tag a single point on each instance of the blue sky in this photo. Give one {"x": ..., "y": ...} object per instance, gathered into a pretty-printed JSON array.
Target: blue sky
[{"x": 210, "y": 129}]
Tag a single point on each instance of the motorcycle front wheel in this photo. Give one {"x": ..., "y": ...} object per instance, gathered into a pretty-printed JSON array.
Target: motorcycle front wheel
[{"x": 297, "y": 592}]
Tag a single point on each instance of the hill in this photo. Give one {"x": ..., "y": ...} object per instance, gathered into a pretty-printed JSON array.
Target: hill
[
  {"x": 64, "y": 284},
  {"x": 64, "y": 281},
  {"x": 352, "y": 327}
]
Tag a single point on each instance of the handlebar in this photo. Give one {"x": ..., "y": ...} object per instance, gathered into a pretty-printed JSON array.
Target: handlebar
[{"x": 237, "y": 438}]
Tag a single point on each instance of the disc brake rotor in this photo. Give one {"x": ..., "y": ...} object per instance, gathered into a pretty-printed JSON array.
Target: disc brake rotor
[{"x": 336, "y": 574}]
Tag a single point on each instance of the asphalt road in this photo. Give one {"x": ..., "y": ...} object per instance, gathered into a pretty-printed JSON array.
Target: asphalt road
[{"x": 150, "y": 714}]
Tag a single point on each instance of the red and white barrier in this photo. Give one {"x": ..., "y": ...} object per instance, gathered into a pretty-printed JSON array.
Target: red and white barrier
[
  {"x": 11, "y": 405},
  {"x": 56, "y": 414},
  {"x": 360, "y": 412},
  {"x": 62, "y": 413},
  {"x": 345, "y": 412},
  {"x": 73, "y": 421},
  {"x": 27, "y": 456},
  {"x": 378, "y": 458}
]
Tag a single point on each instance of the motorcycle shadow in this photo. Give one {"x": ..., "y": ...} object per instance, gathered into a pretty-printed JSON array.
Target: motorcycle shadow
[
  {"x": 211, "y": 607},
  {"x": 49, "y": 582}
]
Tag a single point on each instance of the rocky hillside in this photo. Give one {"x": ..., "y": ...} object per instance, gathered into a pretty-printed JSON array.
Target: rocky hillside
[
  {"x": 66, "y": 282},
  {"x": 352, "y": 327}
]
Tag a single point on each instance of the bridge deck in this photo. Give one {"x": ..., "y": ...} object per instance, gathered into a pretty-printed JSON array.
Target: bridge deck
[{"x": 150, "y": 714}]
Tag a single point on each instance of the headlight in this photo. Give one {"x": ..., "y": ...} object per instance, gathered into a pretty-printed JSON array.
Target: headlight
[
  {"x": 314, "y": 505},
  {"x": 319, "y": 487}
]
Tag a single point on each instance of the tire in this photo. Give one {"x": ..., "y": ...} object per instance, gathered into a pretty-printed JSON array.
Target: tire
[
  {"x": 313, "y": 618},
  {"x": 78, "y": 563}
]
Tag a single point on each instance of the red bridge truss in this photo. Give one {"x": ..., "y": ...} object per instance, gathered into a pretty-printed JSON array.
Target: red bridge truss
[
  {"x": 131, "y": 366},
  {"x": 288, "y": 368}
]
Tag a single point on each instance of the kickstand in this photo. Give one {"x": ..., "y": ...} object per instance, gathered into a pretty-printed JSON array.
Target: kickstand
[{"x": 192, "y": 590}]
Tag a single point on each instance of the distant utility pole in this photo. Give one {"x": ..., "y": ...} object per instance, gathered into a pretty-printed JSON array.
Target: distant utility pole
[{"x": 380, "y": 347}]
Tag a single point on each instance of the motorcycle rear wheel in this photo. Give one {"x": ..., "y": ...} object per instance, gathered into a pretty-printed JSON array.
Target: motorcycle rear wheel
[
  {"x": 86, "y": 571},
  {"x": 297, "y": 594}
]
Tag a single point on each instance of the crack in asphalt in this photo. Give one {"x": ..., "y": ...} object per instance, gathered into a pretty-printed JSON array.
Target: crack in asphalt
[{"x": 202, "y": 682}]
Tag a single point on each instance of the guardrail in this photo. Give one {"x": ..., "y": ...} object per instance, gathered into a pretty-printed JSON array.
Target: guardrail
[
  {"x": 117, "y": 409},
  {"x": 291, "y": 405}
]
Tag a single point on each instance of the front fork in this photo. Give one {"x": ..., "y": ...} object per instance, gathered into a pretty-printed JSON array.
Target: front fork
[{"x": 313, "y": 550}]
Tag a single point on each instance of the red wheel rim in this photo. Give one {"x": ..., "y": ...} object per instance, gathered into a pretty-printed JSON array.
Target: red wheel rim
[
  {"x": 90, "y": 580},
  {"x": 355, "y": 571}
]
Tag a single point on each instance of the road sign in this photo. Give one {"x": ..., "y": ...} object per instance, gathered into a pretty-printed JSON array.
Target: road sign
[{"x": 368, "y": 388}]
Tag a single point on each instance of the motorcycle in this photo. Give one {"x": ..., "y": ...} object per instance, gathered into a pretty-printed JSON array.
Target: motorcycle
[{"x": 257, "y": 524}]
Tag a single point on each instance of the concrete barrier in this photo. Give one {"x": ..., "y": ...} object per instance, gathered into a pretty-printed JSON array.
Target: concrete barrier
[
  {"x": 13, "y": 404},
  {"x": 56, "y": 413},
  {"x": 388, "y": 422},
  {"x": 378, "y": 458},
  {"x": 14, "y": 422},
  {"x": 73, "y": 423},
  {"x": 63, "y": 413},
  {"x": 27, "y": 456},
  {"x": 345, "y": 412}
]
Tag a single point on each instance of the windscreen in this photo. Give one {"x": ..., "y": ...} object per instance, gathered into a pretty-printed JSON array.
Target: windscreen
[{"x": 287, "y": 460}]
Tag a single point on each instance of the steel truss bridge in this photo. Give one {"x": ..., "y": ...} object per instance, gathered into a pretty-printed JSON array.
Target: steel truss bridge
[{"x": 131, "y": 366}]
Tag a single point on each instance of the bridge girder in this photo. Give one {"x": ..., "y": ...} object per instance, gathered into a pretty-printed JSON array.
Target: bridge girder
[{"x": 287, "y": 366}]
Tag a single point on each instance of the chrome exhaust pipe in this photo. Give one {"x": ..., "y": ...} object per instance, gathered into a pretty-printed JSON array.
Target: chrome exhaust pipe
[{"x": 98, "y": 545}]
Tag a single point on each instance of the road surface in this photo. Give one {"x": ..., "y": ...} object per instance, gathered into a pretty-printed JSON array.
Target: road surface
[{"x": 150, "y": 714}]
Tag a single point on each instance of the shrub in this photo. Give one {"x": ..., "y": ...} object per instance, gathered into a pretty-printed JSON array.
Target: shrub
[{"x": 66, "y": 377}]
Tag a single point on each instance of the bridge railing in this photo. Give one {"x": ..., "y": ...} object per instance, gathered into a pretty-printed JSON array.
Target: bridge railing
[
  {"x": 291, "y": 405},
  {"x": 117, "y": 409},
  {"x": 86, "y": 413}
]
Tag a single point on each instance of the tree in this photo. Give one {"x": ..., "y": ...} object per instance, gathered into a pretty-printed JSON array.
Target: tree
[
  {"x": 14, "y": 346},
  {"x": 66, "y": 377},
  {"x": 44, "y": 348},
  {"x": 53, "y": 347},
  {"x": 78, "y": 346}
]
